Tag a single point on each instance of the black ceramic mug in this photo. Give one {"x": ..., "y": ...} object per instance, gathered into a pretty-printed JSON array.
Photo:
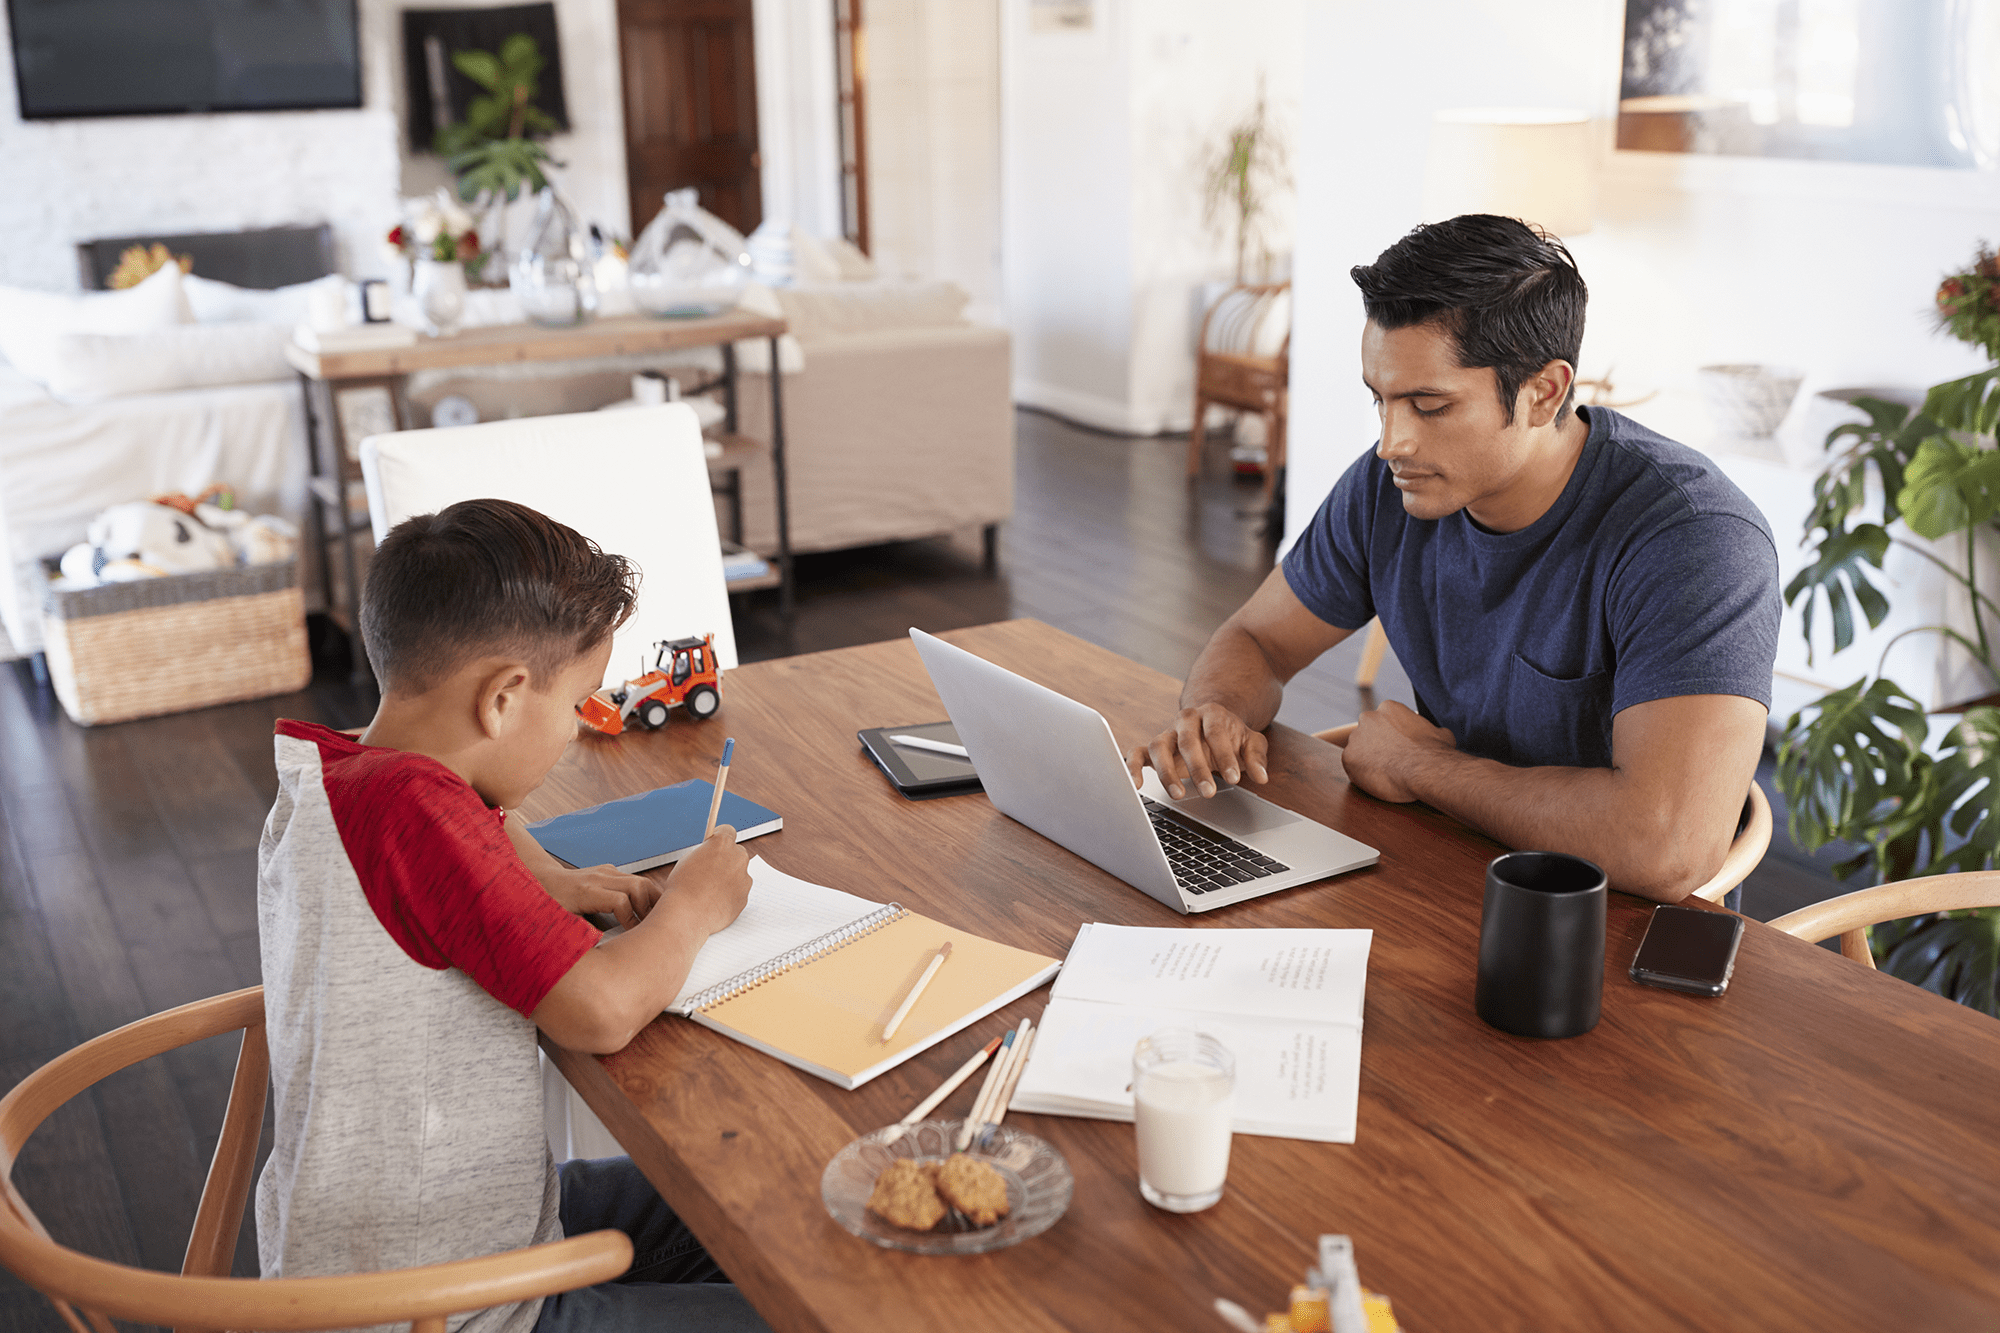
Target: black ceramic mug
[{"x": 1541, "y": 945}]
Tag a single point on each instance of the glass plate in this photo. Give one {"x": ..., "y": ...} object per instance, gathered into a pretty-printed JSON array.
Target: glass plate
[{"x": 1039, "y": 1186}]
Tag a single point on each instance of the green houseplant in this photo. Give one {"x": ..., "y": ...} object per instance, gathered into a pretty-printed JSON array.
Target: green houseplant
[
  {"x": 1239, "y": 179},
  {"x": 1854, "y": 765},
  {"x": 496, "y": 150}
]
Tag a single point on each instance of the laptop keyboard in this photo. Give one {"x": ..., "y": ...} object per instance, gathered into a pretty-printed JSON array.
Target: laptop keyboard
[{"x": 1202, "y": 859}]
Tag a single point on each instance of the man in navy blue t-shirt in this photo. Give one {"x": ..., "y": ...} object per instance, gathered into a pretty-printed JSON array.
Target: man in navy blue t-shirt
[{"x": 1588, "y": 612}]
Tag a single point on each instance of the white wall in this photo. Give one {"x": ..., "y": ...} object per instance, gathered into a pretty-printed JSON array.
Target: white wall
[
  {"x": 1104, "y": 243},
  {"x": 933, "y": 141},
  {"x": 1694, "y": 260},
  {"x": 73, "y": 180}
]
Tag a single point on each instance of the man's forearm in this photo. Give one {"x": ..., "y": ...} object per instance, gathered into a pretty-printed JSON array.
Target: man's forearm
[
  {"x": 1588, "y": 812},
  {"x": 1235, "y": 672}
]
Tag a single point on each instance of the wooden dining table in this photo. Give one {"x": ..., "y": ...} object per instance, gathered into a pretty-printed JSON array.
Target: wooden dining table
[{"x": 1819, "y": 1148}]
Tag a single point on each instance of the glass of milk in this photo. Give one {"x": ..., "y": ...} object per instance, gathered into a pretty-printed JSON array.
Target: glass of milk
[{"x": 1184, "y": 1097}]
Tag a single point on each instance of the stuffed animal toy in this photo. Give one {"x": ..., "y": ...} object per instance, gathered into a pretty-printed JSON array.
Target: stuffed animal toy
[{"x": 148, "y": 539}]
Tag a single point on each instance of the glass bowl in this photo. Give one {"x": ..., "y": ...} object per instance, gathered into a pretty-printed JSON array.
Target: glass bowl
[{"x": 1039, "y": 1186}]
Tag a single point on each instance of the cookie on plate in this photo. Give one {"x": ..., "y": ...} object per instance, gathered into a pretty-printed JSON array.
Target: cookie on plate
[
  {"x": 974, "y": 1188},
  {"x": 905, "y": 1196}
]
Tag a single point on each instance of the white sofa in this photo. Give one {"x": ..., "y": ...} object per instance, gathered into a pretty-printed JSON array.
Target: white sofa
[
  {"x": 899, "y": 419},
  {"x": 61, "y": 463}
]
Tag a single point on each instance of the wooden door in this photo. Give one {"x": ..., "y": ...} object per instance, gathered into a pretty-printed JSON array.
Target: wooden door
[{"x": 691, "y": 107}]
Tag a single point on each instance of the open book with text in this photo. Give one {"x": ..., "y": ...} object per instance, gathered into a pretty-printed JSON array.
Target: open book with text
[
  {"x": 1287, "y": 1004},
  {"x": 811, "y": 975}
]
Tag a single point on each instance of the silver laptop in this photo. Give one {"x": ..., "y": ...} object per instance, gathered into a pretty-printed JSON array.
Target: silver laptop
[{"x": 1053, "y": 764}]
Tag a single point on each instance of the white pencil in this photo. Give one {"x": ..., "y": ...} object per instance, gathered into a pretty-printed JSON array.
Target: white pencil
[
  {"x": 990, "y": 1097},
  {"x": 951, "y": 1085},
  {"x": 992, "y": 1075},
  {"x": 903, "y": 1009},
  {"x": 1023, "y": 1048},
  {"x": 935, "y": 747}
]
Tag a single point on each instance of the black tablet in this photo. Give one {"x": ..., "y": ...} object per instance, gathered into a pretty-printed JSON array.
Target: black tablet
[{"x": 916, "y": 772}]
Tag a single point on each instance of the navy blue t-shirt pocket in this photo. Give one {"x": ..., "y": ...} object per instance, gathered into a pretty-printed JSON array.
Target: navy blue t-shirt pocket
[{"x": 1554, "y": 715}]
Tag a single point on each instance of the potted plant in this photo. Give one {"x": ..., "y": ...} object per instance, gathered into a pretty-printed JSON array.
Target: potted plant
[
  {"x": 1241, "y": 175},
  {"x": 1854, "y": 765},
  {"x": 495, "y": 152}
]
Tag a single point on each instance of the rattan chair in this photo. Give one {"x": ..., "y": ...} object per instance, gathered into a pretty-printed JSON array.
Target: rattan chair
[
  {"x": 89, "y": 1292},
  {"x": 1850, "y": 915},
  {"x": 1753, "y": 837},
  {"x": 1239, "y": 363}
]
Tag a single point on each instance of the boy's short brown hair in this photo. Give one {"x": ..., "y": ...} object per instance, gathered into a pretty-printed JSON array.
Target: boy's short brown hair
[{"x": 485, "y": 577}]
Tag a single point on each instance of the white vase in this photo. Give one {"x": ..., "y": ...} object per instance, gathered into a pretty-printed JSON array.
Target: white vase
[{"x": 439, "y": 287}]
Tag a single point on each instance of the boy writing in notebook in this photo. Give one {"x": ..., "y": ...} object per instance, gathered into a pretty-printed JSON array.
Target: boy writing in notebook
[{"x": 414, "y": 937}]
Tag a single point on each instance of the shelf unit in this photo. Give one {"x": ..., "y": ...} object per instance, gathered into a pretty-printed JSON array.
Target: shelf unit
[{"x": 333, "y": 463}]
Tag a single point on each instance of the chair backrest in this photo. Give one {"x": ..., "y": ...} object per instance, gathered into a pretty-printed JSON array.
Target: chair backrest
[
  {"x": 85, "y": 1290},
  {"x": 1752, "y": 841},
  {"x": 633, "y": 481},
  {"x": 1850, "y": 915},
  {"x": 1252, "y": 320}
]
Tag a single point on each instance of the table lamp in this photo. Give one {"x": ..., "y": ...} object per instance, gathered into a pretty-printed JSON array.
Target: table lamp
[{"x": 1536, "y": 164}]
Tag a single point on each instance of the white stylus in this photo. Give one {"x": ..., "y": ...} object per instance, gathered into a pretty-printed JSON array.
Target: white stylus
[{"x": 936, "y": 747}]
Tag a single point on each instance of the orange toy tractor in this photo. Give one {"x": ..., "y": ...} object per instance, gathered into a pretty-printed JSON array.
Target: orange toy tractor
[{"x": 684, "y": 673}]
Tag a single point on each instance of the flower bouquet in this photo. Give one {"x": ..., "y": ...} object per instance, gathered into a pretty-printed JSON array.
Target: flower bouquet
[
  {"x": 1969, "y": 304},
  {"x": 441, "y": 230}
]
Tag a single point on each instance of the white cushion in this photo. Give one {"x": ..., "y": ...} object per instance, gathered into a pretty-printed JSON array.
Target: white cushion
[
  {"x": 634, "y": 482},
  {"x": 811, "y": 260},
  {"x": 854, "y": 266},
  {"x": 90, "y": 367},
  {"x": 222, "y": 303},
  {"x": 31, "y": 320},
  {"x": 830, "y": 310}
]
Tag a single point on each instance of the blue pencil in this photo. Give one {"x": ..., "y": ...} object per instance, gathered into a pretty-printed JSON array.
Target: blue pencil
[{"x": 721, "y": 776}]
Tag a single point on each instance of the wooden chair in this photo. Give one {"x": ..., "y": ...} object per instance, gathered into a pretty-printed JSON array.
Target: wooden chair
[
  {"x": 1850, "y": 915},
  {"x": 89, "y": 1292},
  {"x": 1232, "y": 370},
  {"x": 1753, "y": 839}
]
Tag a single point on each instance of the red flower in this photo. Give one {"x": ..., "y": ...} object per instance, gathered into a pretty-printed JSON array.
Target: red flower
[
  {"x": 396, "y": 237},
  {"x": 468, "y": 245}
]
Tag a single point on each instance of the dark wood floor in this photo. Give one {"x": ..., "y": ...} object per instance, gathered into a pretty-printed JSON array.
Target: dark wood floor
[{"x": 128, "y": 853}]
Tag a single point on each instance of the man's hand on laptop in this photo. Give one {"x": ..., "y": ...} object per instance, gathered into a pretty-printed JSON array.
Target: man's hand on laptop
[
  {"x": 1386, "y": 744},
  {"x": 1204, "y": 741}
]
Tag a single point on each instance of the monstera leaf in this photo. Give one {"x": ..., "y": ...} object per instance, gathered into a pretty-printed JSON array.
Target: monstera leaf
[
  {"x": 1956, "y": 954},
  {"x": 1852, "y": 763},
  {"x": 1950, "y": 485},
  {"x": 1886, "y": 441},
  {"x": 501, "y": 167},
  {"x": 1837, "y": 572},
  {"x": 1971, "y": 405},
  {"x": 1968, "y": 786}
]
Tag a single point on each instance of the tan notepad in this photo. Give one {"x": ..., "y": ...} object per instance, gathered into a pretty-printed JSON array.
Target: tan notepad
[{"x": 820, "y": 1004}]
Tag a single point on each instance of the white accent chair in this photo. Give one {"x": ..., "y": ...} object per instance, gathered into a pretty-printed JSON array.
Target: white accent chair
[{"x": 635, "y": 482}]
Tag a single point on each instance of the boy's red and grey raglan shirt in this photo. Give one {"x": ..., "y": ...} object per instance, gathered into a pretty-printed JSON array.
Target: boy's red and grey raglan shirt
[{"x": 403, "y": 943}]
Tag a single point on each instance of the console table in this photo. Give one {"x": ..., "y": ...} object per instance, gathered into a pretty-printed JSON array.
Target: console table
[{"x": 333, "y": 461}]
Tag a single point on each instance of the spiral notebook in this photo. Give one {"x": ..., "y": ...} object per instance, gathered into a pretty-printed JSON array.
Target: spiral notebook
[{"x": 811, "y": 975}]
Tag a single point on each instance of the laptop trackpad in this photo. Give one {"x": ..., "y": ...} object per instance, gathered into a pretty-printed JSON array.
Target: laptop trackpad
[{"x": 1237, "y": 812}]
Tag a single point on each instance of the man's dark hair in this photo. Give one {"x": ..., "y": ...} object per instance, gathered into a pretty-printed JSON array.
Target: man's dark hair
[
  {"x": 1506, "y": 292},
  {"x": 485, "y": 577}
]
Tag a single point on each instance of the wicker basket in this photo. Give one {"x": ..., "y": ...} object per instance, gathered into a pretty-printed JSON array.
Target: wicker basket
[{"x": 155, "y": 646}]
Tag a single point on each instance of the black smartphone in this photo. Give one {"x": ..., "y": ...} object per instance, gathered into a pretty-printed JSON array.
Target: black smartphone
[
  {"x": 915, "y": 771},
  {"x": 1687, "y": 949}
]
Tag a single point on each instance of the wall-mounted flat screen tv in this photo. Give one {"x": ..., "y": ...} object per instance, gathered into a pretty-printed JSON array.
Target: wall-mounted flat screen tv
[{"x": 154, "y": 57}]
